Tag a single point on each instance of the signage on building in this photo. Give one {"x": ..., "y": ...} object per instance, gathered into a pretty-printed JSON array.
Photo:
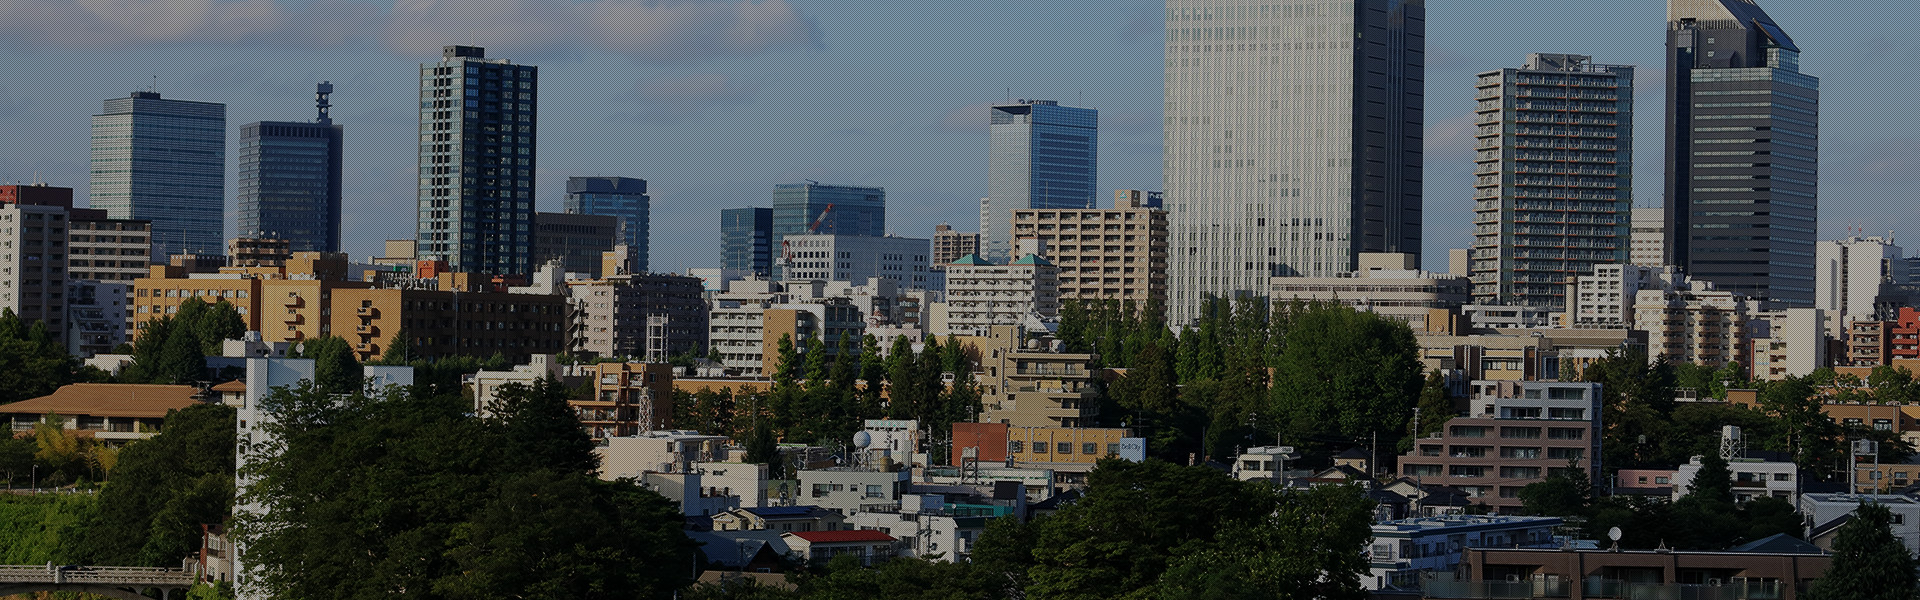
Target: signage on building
[{"x": 1133, "y": 449}]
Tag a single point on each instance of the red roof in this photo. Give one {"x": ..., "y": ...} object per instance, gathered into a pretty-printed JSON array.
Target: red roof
[{"x": 835, "y": 537}]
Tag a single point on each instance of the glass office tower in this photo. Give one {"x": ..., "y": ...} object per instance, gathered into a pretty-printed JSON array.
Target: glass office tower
[
  {"x": 1743, "y": 140},
  {"x": 1293, "y": 140},
  {"x": 290, "y": 180},
  {"x": 477, "y": 130},
  {"x": 746, "y": 240},
  {"x": 1040, "y": 155},
  {"x": 1553, "y": 168},
  {"x": 813, "y": 207},
  {"x": 163, "y": 161},
  {"x": 623, "y": 197}
]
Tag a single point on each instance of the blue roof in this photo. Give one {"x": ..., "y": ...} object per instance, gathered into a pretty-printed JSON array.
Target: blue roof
[{"x": 781, "y": 511}]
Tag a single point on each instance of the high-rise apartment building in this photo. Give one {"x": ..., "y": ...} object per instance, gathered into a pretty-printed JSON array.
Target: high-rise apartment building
[
  {"x": 1040, "y": 155},
  {"x": 1648, "y": 240},
  {"x": 1742, "y": 152},
  {"x": 623, "y": 197},
  {"x": 1553, "y": 185},
  {"x": 746, "y": 240},
  {"x": 33, "y": 264},
  {"x": 1118, "y": 253},
  {"x": 813, "y": 207},
  {"x": 950, "y": 245},
  {"x": 163, "y": 161},
  {"x": 1852, "y": 275},
  {"x": 1293, "y": 140},
  {"x": 477, "y": 130},
  {"x": 290, "y": 180}
]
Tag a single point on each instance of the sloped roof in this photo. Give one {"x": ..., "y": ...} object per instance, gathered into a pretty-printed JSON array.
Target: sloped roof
[
  {"x": 833, "y": 537},
  {"x": 1778, "y": 543},
  {"x": 127, "y": 400},
  {"x": 972, "y": 260},
  {"x": 1032, "y": 259},
  {"x": 231, "y": 386}
]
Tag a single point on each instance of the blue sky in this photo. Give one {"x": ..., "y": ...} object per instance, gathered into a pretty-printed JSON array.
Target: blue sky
[{"x": 714, "y": 101}]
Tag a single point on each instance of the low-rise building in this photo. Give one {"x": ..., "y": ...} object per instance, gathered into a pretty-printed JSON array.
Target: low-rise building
[
  {"x": 660, "y": 452},
  {"x": 820, "y": 547},
  {"x": 258, "y": 252},
  {"x": 1519, "y": 433},
  {"x": 96, "y": 317},
  {"x": 1770, "y": 568},
  {"x": 1403, "y": 550},
  {"x": 1388, "y": 284},
  {"x": 104, "y": 411},
  {"x": 849, "y": 489},
  {"x": 628, "y": 399},
  {"x": 834, "y": 257},
  {"x": 1752, "y": 478},
  {"x": 780, "y": 518},
  {"x": 1067, "y": 451},
  {"x": 1031, "y": 385},
  {"x": 1825, "y": 513}
]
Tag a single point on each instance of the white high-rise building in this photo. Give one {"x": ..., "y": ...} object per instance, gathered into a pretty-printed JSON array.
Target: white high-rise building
[
  {"x": 1292, "y": 140},
  {"x": 1849, "y": 275},
  {"x": 1648, "y": 240}
]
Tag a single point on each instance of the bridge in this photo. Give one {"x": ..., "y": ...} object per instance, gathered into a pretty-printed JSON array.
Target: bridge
[{"x": 114, "y": 582}]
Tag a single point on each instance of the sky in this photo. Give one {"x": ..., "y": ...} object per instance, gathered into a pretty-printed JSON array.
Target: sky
[{"x": 715, "y": 101}]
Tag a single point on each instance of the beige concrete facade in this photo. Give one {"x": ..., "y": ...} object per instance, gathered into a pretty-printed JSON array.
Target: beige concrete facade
[
  {"x": 1118, "y": 253},
  {"x": 1031, "y": 387}
]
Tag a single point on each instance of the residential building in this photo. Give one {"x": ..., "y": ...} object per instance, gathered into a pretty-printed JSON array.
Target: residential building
[
  {"x": 1389, "y": 284},
  {"x": 811, "y": 207},
  {"x": 981, "y": 294},
  {"x": 163, "y": 161},
  {"x": 780, "y": 518},
  {"x": 1752, "y": 477},
  {"x": 259, "y": 252},
  {"x": 1024, "y": 386},
  {"x": 1851, "y": 275},
  {"x": 1786, "y": 343},
  {"x": 1778, "y": 567},
  {"x": 290, "y": 179},
  {"x": 930, "y": 527},
  {"x": 746, "y": 240},
  {"x": 1111, "y": 254},
  {"x": 839, "y": 257},
  {"x": 622, "y": 197},
  {"x": 98, "y": 248},
  {"x": 950, "y": 245},
  {"x": 1554, "y": 169},
  {"x": 1742, "y": 152},
  {"x": 820, "y": 547},
  {"x": 1698, "y": 324},
  {"x": 1402, "y": 550},
  {"x": 628, "y": 399},
  {"x": 1825, "y": 513},
  {"x": 848, "y": 489},
  {"x": 1874, "y": 343},
  {"x": 1518, "y": 433},
  {"x": 1491, "y": 317},
  {"x": 652, "y": 316},
  {"x": 577, "y": 241},
  {"x": 1268, "y": 175},
  {"x": 478, "y": 122},
  {"x": 1648, "y": 240},
  {"x": 111, "y": 412},
  {"x": 1039, "y": 155},
  {"x": 745, "y": 324},
  {"x": 33, "y": 264},
  {"x": 1070, "y": 452},
  {"x": 485, "y": 385},
  {"x": 96, "y": 317},
  {"x": 1604, "y": 299}
]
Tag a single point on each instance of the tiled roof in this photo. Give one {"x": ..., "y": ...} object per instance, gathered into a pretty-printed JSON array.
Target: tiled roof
[
  {"x": 1032, "y": 259},
  {"x": 108, "y": 400},
  {"x": 833, "y": 537},
  {"x": 972, "y": 260}
]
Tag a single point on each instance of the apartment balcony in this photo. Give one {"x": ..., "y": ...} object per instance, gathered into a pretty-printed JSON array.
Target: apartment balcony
[
  {"x": 365, "y": 329},
  {"x": 294, "y": 319},
  {"x": 366, "y": 311},
  {"x": 294, "y": 302}
]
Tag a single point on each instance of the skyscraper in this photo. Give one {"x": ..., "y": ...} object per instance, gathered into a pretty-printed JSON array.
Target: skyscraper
[
  {"x": 1554, "y": 165},
  {"x": 1040, "y": 155},
  {"x": 813, "y": 207},
  {"x": 1742, "y": 151},
  {"x": 163, "y": 161},
  {"x": 1293, "y": 140},
  {"x": 623, "y": 197},
  {"x": 477, "y": 129},
  {"x": 746, "y": 240},
  {"x": 290, "y": 180}
]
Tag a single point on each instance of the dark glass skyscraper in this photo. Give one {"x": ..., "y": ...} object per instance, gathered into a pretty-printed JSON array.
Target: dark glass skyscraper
[
  {"x": 746, "y": 240},
  {"x": 163, "y": 161},
  {"x": 290, "y": 180},
  {"x": 1293, "y": 140},
  {"x": 623, "y": 197},
  {"x": 837, "y": 209},
  {"x": 477, "y": 130},
  {"x": 1040, "y": 155},
  {"x": 1742, "y": 151}
]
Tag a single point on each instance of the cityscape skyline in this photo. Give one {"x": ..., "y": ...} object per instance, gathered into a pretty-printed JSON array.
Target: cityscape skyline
[{"x": 724, "y": 101}]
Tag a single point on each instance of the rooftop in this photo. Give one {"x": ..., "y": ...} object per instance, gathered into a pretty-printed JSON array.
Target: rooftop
[
  {"x": 1462, "y": 522},
  {"x": 834, "y": 537},
  {"x": 109, "y": 400}
]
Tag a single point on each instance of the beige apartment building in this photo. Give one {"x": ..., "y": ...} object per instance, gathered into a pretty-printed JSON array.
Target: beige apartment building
[
  {"x": 103, "y": 249},
  {"x": 950, "y": 245},
  {"x": 1118, "y": 253},
  {"x": 1034, "y": 387},
  {"x": 981, "y": 294},
  {"x": 1388, "y": 284},
  {"x": 1704, "y": 326}
]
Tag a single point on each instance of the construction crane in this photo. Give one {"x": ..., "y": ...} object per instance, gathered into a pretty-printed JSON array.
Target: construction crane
[{"x": 815, "y": 227}]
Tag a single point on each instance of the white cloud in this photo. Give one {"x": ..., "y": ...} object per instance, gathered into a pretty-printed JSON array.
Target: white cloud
[
  {"x": 681, "y": 98},
  {"x": 971, "y": 118},
  {"x": 661, "y": 31}
]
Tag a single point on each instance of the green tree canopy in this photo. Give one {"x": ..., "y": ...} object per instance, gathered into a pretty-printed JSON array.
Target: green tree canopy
[
  {"x": 1869, "y": 561},
  {"x": 163, "y": 490},
  {"x": 1346, "y": 372}
]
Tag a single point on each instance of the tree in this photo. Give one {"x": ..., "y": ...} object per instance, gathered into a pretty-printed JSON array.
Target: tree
[
  {"x": 31, "y": 364},
  {"x": 1869, "y": 561},
  {"x": 1713, "y": 482},
  {"x": 1346, "y": 372},
  {"x": 1565, "y": 492},
  {"x": 904, "y": 578},
  {"x": 1309, "y": 546},
  {"x": 335, "y": 370},
  {"x": 398, "y": 349},
  {"x": 541, "y": 428},
  {"x": 163, "y": 490}
]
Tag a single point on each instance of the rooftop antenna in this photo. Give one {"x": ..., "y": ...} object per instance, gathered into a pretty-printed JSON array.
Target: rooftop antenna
[
  {"x": 320, "y": 93},
  {"x": 155, "y": 88}
]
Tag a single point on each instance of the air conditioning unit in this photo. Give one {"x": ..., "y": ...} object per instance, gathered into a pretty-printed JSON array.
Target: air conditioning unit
[
  {"x": 1513, "y": 579},
  {"x": 1713, "y": 581}
]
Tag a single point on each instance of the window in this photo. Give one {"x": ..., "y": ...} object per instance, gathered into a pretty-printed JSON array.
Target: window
[
  {"x": 1039, "y": 447},
  {"x": 1064, "y": 447},
  {"x": 1089, "y": 448},
  {"x": 1663, "y": 481},
  {"x": 1016, "y": 447},
  {"x": 1566, "y": 433},
  {"x": 1567, "y": 414},
  {"x": 873, "y": 491},
  {"x": 1522, "y": 433}
]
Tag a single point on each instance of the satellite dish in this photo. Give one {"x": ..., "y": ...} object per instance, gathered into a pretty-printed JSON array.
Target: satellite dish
[
  {"x": 862, "y": 439},
  {"x": 1613, "y": 534}
]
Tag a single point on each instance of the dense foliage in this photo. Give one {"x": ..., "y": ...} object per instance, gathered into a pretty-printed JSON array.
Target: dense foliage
[
  {"x": 163, "y": 490},
  {"x": 1870, "y": 562},
  {"x": 174, "y": 348}
]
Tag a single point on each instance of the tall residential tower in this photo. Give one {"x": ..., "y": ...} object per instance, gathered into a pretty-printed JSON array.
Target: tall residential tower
[
  {"x": 1742, "y": 152},
  {"x": 1040, "y": 155},
  {"x": 290, "y": 180},
  {"x": 623, "y": 197},
  {"x": 163, "y": 161},
  {"x": 1553, "y": 166},
  {"x": 477, "y": 129},
  {"x": 1293, "y": 140}
]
